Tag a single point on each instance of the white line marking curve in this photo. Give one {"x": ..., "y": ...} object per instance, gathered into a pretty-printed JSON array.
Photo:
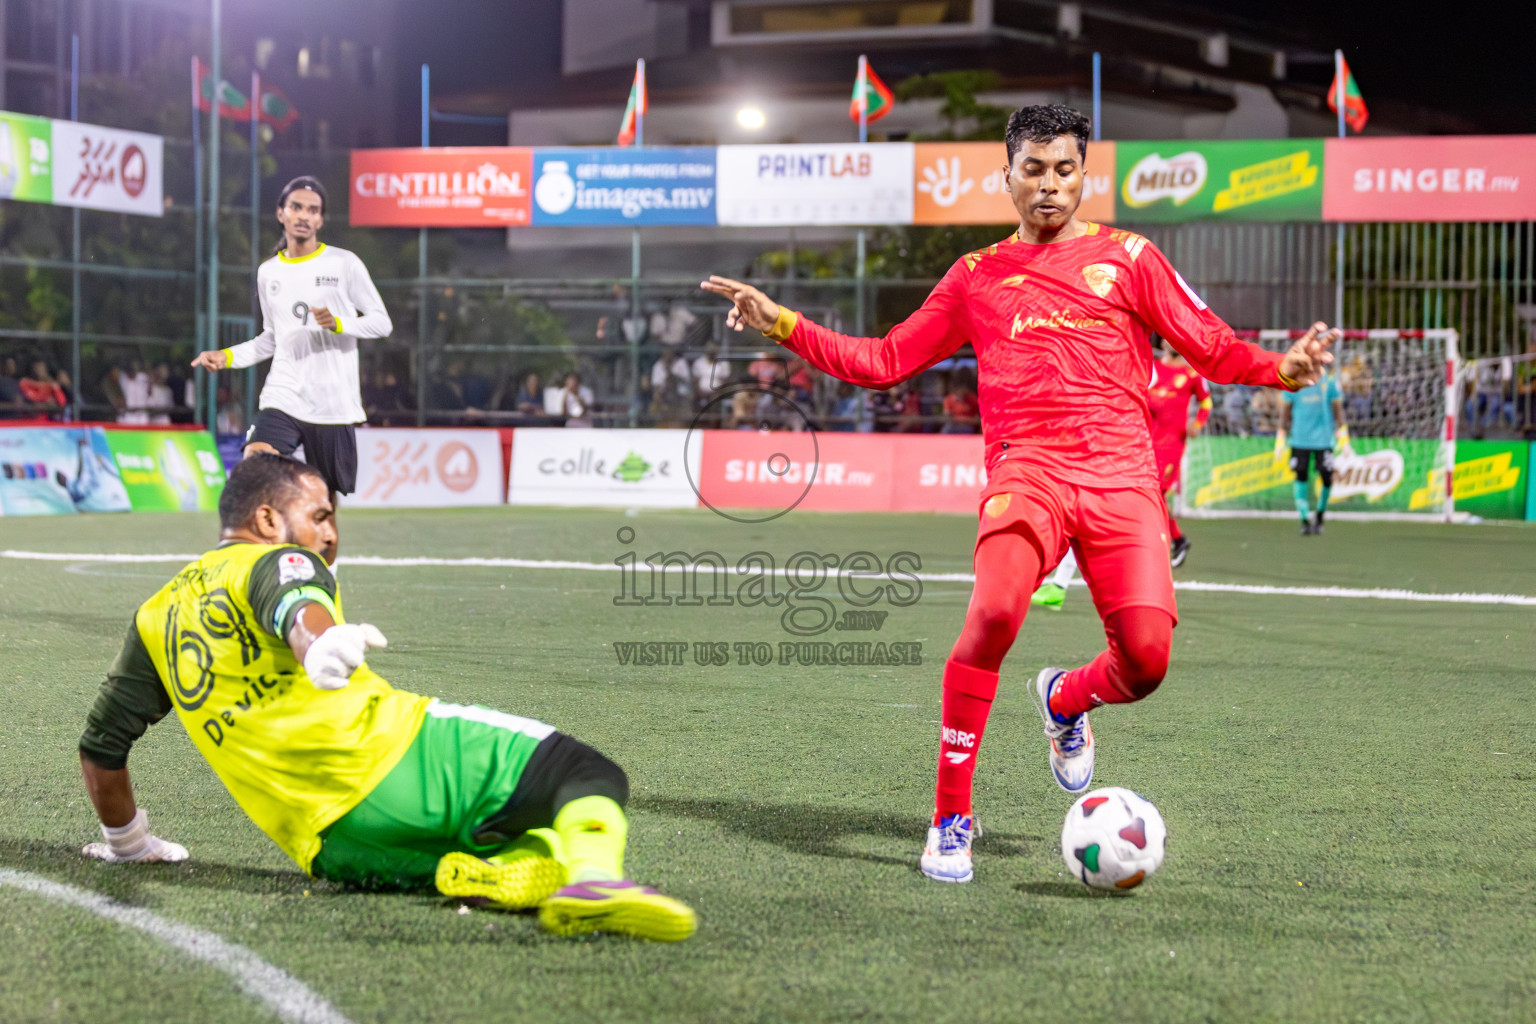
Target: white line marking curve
[{"x": 281, "y": 992}]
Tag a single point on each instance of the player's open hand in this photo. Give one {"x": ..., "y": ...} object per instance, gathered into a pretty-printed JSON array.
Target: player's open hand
[
  {"x": 1306, "y": 360},
  {"x": 335, "y": 654},
  {"x": 750, "y": 307},
  {"x": 212, "y": 361}
]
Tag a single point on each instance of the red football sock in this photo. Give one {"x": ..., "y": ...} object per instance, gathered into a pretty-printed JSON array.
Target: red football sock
[
  {"x": 1130, "y": 669},
  {"x": 1174, "y": 533},
  {"x": 968, "y": 695}
]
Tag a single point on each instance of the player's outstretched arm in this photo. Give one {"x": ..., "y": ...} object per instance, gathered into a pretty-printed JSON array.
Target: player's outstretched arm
[
  {"x": 330, "y": 651},
  {"x": 1307, "y": 359},
  {"x": 935, "y": 331}
]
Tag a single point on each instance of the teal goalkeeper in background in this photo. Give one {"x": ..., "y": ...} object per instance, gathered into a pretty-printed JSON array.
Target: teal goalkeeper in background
[{"x": 1312, "y": 423}]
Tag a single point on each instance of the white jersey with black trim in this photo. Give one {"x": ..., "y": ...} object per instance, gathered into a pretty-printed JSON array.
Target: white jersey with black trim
[{"x": 314, "y": 375}]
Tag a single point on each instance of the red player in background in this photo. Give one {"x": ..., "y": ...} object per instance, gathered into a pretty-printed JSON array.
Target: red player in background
[
  {"x": 1174, "y": 384},
  {"x": 1060, "y": 316}
]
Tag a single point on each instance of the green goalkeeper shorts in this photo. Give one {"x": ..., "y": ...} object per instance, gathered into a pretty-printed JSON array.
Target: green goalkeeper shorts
[{"x": 459, "y": 771}]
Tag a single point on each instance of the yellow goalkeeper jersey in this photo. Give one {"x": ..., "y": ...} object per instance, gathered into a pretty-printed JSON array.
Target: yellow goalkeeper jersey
[{"x": 295, "y": 758}]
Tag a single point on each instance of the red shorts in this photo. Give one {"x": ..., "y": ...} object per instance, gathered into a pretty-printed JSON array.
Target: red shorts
[{"x": 1120, "y": 536}]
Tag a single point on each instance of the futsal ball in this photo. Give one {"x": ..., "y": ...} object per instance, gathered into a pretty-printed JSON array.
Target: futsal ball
[{"x": 1113, "y": 839}]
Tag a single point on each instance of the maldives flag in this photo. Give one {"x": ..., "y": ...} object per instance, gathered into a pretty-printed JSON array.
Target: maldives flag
[
  {"x": 275, "y": 108},
  {"x": 639, "y": 104},
  {"x": 871, "y": 93},
  {"x": 232, "y": 102},
  {"x": 1355, "y": 114}
]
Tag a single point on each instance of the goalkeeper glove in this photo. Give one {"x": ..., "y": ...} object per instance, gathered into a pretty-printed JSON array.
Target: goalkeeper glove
[
  {"x": 1341, "y": 440},
  {"x": 1280, "y": 446},
  {"x": 133, "y": 843},
  {"x": 336, "y": 653}
]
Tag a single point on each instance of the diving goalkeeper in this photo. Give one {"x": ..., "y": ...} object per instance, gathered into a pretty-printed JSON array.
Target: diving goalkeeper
[
  {"x": 356, "y": 781},
  {"x": 1060, "y": 315}
]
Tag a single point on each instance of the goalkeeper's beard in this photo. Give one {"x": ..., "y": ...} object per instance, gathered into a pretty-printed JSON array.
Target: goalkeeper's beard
[{"x": 298, "y": 530}]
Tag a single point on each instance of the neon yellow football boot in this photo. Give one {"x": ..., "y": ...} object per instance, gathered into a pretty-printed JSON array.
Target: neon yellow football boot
[
  {"x": 522, "y": 875},
  {"x": 624, "y": 907}
]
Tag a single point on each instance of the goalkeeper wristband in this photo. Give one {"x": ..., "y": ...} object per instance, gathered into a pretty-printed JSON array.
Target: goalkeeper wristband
[
  {"x": 1341, "y": 437},
  {"x": 784, "y": 326},
  {"x": 1280, "y": 445}
]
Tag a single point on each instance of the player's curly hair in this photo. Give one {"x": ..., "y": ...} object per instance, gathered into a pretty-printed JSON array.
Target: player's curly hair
[
  {"x": 257, "y": 480},
  {"x": 1044, "y": 123}
]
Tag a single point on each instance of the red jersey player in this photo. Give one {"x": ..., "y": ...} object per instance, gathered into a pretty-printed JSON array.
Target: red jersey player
[
  {"x": 1060, "y": 316},
  {"x": 1174, "y": 384}
]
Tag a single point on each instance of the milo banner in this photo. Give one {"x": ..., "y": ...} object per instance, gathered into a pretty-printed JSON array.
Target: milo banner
[
  {"x": 1383, "y": 475},
  {"x": 1491, "y": 478},
  {"x": 168, "y": 470},
  {"x": 1166, "y": 182}
]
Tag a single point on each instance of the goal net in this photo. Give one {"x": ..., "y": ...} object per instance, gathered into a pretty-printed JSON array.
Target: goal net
[{"x": 1399, "y": 395}]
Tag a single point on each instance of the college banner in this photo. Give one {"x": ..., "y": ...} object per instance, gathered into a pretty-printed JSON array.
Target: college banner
[
  {"x": 108, "y": 169},
  {"x": 610, "y": 468},
  {"x": 427, "y": 468},
  {"x": 168, "y": 470},
  {"x": 1383, "y": 475},
  {"x": 1166, "y": 182},
  {"x": 816, "y": 184},
  {"x": 448, "y": 187},
  {"x": 1439, "y": 178},
  {"x": 624, "y": 186},
  {"x": 26, "y": 158},
  {"x": 47, "y": 471},
  {"x": 966, "y": 183}
]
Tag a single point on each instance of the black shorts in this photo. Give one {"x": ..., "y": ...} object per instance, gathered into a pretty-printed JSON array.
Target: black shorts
[
  {"x": 329, "y": 447},
  {"x": 1302, "y": 459},
  {"x": 560, "y": 770}
]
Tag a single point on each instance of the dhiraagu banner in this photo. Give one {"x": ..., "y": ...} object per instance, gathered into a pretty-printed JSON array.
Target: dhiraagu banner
[
  {"x": 1267, "y": 179},
  {"x": 26, "y": 158},
  {"x": 168, "y": 470},
  {"x": 1384, "y": 475}
]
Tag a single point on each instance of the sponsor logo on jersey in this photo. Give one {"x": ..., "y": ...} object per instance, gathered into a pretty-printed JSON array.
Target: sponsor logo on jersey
[
  {"x": 274, "y": 286},
  {"x": 1100, "y": 278},
  {"x": 294, "y": 567},
  {"x": 327, "y": 281}
]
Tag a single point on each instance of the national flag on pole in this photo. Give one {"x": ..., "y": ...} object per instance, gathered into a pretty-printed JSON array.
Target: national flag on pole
[
  {"x": 871, "y": 94},
  {"x": 233, "y": 103},
  {"x": 1355, "y": 114},
  {"x": 639, "y": 104},
  {"x": 275, "y": 108}
]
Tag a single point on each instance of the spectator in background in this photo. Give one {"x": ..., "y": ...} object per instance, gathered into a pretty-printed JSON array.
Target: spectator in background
[
  {"x": 474, "y": 389},
  {"x": 845, "y": 409},
  {"x": 802, "y": 381},
  {"x": 672, "y": 326},
  {"x": 39, "y": 388},
  {"x": 1355, "y": 381},
  {"x": 766, "y": 370},
  {"x": 909, "y": 408},
  {"x": 671, "y": 391},
  {"x": 161, "y": 397},
  {"x": 709, "y": 375},
  {"x": 1525, "y": 394},
  {"x": 1265, "y": 411},
  {"x": 882, "y": 408},
  {"x": 231, "y": 417},
  {"x": 112, "y": 390},
  {"x": 10, "y": 387},
  {"x": 530, "y": 397},
  {"x": 136, "y": 384},
  {"x": 1234, "y": 410},
  {"x": 743, "y": 410},
  {"x": 962, "y": 415},
  {"x": 576, "y": 401},
  {"x": 1489, "y": 404}
]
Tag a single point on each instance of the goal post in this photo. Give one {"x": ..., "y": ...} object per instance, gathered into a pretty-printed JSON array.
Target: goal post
[{"x": 1400, "y": 395}]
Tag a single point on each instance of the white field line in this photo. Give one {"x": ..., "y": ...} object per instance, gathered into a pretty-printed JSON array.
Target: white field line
[
  {"x": 283, "y": 994},
  {"x": 1368, "y": 593}
]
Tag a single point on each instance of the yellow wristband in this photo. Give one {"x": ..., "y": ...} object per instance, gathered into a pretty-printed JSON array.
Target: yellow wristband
[
  {"x": 229, "y": 358},
  {"x": 337, "y": 328},
  {"x": 1290, "y": 385},
  {"x": 784, "y": 326}
]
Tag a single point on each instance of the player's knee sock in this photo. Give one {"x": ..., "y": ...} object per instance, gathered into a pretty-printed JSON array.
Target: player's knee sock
[
  {"x": 968, "y": 696},
  {"x": 1128, "y": 670},
  {"x": 1322, "y": 502},
  {"x": 593, "y": 831},
  {"x": 1174, "y": 533},
  {"x": 1299, "y": 492}
]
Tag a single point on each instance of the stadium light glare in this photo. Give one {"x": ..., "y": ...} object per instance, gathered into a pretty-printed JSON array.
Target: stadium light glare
[{"x": 751, "y": 118}]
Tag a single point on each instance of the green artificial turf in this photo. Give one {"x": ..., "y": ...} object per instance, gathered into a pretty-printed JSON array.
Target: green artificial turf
[{"x": 1347, "y": 785}]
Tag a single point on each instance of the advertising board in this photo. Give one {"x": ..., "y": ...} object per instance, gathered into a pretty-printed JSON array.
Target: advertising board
[
  {"x": 624, "y": 186},
  {"x": 816, "y": 184},
  {"x": 1435, "y": 178},
  {"x": 168, "y": 470},
  {"x": 1179, "y": 180},
  {"x": 108, "y": 169},
  {"x": 612, "y": 468},
  {"x": 429, "y": 468},
  {"x": 966, "y": 183},
  {"x": 449, "y": 187},
  {"x": 26, "y": 158},
  {"x": 782, "y": 470},
  {"x": 58, "y": 471}
]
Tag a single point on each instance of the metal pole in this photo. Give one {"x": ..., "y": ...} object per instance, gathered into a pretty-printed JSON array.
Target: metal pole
[
  {"x": 863, "y": 98},
  {"x": 74, "y": 305},
  {"x": 633, "y": 336},
  {"x": 249, "y": 384},
  {"x": 641, "y": 102},
  {"x": 858, "y": 273},
  {"x": 421, "y": 263},
  {"x": 197, "y": 237},
  {"x": 1098, "y": 95},
  {"x": 1338, "y": 285},
  {"x": 213, "y": 203}
]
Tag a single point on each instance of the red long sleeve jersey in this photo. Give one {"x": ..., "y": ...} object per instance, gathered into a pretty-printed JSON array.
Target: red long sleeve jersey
[
  {"x": 1061, "y": 334},
  {"x": 1168, "y": 402}
]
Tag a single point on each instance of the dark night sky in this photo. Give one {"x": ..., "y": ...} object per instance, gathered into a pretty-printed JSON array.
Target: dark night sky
[{"x": 1470, "y": 57}]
